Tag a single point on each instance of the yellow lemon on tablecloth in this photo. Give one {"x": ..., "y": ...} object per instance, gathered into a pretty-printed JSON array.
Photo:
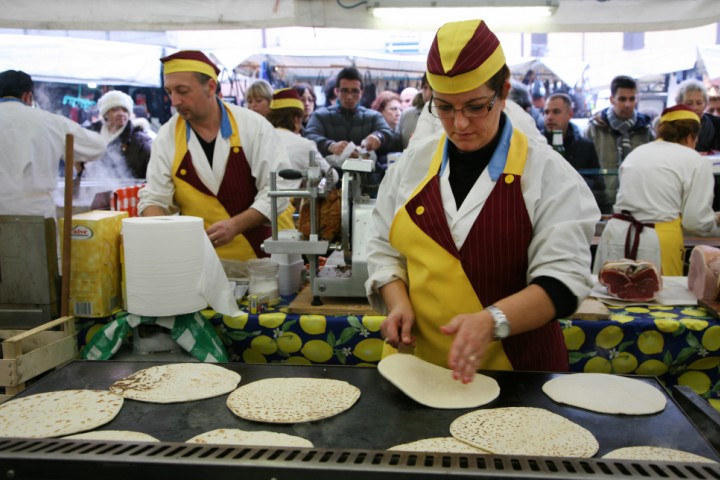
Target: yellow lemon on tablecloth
[
  {"x": 694, "y": 312},
  {"x": 264, "y": 345},
  {"x": 608, "y": 337},
  {"x": 622, "y": 318},
  {"x": 637, "y": 309},
  {"x": 715, "y": 402},
  {"x": 694, "y": 324},
  {"x": 289, "y": 342},
  {"x": 253, "y": 356},
  {"x": 598, "y": 365},
  {"x": 706, "y": 363},
  {"x": 373, "y": 322},
  {"x": 698, "y": 381},
  {"x": 664, "y": 315},
  {"x": 271, "y": 320},
  {"x": 651, "y": 342},
  {"x": 666, "y": 325},
  {"x": 207, "y": 313},
  {"x": 652, "y": 367},
  {"x": 318, "y": 351},
  {"x": 313, "y": 324},
  {"x": 236, "y": 322},
  {"x": 369, "y": 349},
  {"x": 92, "y": 331},
  {"x": 711, "y": 338},
  {"x": 574, "y": 337},
  {"x": 297, "y": 360},
  {"x": 624, "y": 363}
]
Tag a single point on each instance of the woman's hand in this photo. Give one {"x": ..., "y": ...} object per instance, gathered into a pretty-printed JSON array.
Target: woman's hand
[
  {"x": 473, "y": 333},
  {"x": 397, "y": 327}
]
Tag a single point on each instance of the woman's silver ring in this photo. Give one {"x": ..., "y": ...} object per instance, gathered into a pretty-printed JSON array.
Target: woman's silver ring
[{"x": 472, "y": 358}]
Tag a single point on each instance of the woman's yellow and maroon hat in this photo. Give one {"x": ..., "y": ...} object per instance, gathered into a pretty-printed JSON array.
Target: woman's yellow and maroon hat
[
  {"x": 463, "y": 56},
  {"x": 190, "y": 61},
  {"x": 286, "y": 98},
  {"x": 678, "y": 112}
]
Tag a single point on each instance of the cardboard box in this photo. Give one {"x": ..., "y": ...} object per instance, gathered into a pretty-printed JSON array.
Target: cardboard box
[{"x": 95, "y": 263}]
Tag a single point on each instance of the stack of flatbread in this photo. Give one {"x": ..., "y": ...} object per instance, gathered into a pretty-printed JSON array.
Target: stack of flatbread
[
  {"x": 59, "y": 413},
  {"x": 177, "y": 382},
  {"x": 658, "y": 454},
  {"x": 292, "y": 400},
  {"x": 604, "y": 393},
  {"x": 114, "y": 436},
  {"x": 433, "y": 386},
  {"x": 234, "y": 436},
  {"x": 524, "y": 431}
]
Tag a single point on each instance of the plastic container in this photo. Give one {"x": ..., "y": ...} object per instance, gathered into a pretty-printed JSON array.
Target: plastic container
[
  {"x": 149, "y": 339},
  {"x": 263, "y": 278}
]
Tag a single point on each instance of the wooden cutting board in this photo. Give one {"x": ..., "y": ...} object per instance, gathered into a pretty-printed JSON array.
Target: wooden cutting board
[
  {"x": 302, "y": 304},
  {"x": 591, "y": 309},
  {"x": 712, "y": 306}
]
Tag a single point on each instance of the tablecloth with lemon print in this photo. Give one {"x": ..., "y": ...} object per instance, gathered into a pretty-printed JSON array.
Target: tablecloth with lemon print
[
  {"x": 680, "y": 345},
  {"x": 278, "y": 337}
]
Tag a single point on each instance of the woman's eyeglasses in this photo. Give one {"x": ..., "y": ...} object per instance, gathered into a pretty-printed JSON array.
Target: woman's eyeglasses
[{"x": 445, "y": 111}]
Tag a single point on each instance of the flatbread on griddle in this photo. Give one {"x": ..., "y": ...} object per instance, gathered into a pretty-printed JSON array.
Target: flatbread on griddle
[
  {"x": 524, "y": 431},
  {"x": 659, "y": 454},
  {"x": 439, "y": 445},
  {"x": 605, "y": 393},
  {"x": 234, "y": 436},
  {"x": 292, "y": 400},
  {"x": 177, "y": 382},
  {"x": 54, "y": 414},
  {"x": 114, "y": 435},
  {"x": 433, "y": 385}
]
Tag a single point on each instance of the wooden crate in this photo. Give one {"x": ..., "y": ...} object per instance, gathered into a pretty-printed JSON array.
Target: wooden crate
[{"x": 28, "y": 353}]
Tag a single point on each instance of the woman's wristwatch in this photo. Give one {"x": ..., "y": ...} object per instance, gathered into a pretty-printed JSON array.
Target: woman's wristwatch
[{"x": 502, "y": 326}]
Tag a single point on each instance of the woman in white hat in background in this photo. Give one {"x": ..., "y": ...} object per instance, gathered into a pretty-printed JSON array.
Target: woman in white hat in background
[
  {"x": 481, "y": 239},
  {"x": 128, "y": 150}
]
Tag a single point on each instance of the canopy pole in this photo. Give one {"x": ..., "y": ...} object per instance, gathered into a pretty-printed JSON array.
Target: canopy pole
[{"x": 67, "y": 226}]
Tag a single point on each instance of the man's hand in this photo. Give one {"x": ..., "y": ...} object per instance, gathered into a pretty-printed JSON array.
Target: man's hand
[
  {"x": 371, "y": 142},
  {"x": 222, "y": 232},
  {"x": 336, "y": 148}
]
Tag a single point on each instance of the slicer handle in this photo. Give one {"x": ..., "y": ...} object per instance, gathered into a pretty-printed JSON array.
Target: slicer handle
[{"x": 290, "y": 174}]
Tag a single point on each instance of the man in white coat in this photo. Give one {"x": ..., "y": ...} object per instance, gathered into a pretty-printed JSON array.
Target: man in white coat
[{"x": 32, "y": 142}]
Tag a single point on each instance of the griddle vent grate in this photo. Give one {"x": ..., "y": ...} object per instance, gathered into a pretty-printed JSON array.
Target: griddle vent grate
[{"x": 36, "y": 458}]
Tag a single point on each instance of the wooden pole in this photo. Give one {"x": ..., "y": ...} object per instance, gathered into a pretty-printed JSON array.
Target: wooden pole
[{"x": 67, "y": 226}]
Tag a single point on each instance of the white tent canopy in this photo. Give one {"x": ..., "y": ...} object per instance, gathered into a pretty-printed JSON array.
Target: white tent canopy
[{"x": 75, "y": 60}]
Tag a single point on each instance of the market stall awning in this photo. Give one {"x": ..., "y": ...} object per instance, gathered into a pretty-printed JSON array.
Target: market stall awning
[{"x": 76, "y": 60}]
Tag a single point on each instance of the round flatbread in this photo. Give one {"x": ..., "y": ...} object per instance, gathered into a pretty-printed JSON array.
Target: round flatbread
[
  {"x": 292, "y": 400},
  {"x": 234, "y": 436},
  {"x": 433, "y": 385},
  {"x": 524, "y": 431},
  {"x": 54, "y": 414},
  {"x": 177, "y": 382},
  {"x": 605, "y": 393},
  {"x": 438, "y": 444},
  {"x": 658, "y": 454},
  {"x": 114, "y": 435}
]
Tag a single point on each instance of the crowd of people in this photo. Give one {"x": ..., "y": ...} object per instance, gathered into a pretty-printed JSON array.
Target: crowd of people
[{"x": 478, "y": 147}]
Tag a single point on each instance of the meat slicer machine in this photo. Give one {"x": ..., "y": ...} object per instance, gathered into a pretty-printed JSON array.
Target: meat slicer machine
[{"x": 345, "y": 271}]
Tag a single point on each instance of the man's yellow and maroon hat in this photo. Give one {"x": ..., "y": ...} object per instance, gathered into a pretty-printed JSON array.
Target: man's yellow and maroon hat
[
  {"x": 463, "y": 56},
  {"x": 678, "y": 112},
  {"x": 286, "y": 98},
  {"x": 190, "y": 61}
]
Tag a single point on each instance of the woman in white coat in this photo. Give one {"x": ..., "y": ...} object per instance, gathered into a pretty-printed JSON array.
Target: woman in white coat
[
  {"x": 480, "y": 237},
  {"x": 665, "y": 187}
]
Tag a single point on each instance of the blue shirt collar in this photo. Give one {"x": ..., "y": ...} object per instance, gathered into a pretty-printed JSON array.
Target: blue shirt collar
[
  {"x": 225, "y": 125},
  {"x": 498, "y": 159}
]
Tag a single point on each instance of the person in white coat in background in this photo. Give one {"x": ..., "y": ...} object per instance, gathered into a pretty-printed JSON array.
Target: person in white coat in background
[
  {"x": 32, "y": 143},
  {"x": 665, "y": 187}
]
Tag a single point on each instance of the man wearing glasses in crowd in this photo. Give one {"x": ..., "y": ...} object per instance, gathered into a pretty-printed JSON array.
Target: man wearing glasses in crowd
[{"x": 333, "y": 127}]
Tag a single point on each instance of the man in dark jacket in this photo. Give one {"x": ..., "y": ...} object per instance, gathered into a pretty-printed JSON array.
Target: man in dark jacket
[
  {"x": 618, "y": 130},
  {"x": 333, "y": 127},
  {"x": 578, "y": 151}
]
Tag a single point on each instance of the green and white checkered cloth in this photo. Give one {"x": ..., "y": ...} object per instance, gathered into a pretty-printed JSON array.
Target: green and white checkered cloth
[{"x": 191, "y": 331}]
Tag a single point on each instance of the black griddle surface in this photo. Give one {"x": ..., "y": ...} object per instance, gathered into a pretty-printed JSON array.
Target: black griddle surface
[{"x": 382, "y": 417}]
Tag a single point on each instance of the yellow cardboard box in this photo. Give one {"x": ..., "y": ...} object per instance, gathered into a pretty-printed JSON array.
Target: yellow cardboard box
[{"x": 95, "y": 263}]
